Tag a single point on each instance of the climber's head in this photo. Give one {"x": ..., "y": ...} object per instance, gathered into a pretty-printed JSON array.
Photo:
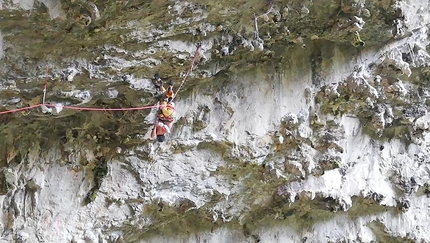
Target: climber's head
[{"x": 156, "y": 76}]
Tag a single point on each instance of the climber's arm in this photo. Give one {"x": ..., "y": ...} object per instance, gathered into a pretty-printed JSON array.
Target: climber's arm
[
  {"x": 169, "y": 125},
  {"x": 154, "y": 131}
]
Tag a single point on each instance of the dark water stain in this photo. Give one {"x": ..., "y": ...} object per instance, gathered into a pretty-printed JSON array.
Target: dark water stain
[{"x": 316, "y": 60}]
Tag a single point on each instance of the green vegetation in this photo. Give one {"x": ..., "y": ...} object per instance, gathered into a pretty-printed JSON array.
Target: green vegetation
[{"x": 99, "y": 171}]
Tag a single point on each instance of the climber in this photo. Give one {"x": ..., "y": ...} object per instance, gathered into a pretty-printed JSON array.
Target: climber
[
  {"x": 167, "y": 92},
  {"x": 165, "y": 117}
]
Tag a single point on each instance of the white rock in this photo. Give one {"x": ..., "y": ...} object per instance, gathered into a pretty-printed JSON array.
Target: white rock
[
  {"x": 304, "y": 131},
  {"x": 95, "y": 14},
  {"x": 58, "y": 108},
  {"x": 225, "y": 51},
  {"x": 118, "y": 150},
  {"x": 290, "y": 119},
  {"x": 84, "y": 95},
  {"x": 90, "y": 237},
  {"x": 280, "y": 138},
  {"x": 365, "y": 12},
  {"x": 422, "y": 122},
  {"x": 112, "y": 93},
  {"x": 45, "y": 109},
  {"x": 22, "y": 236},
  {"x": 72, "y": 74},
  {"x": 304, "y": 11},
  {"x": 303, "y": 115},
  {"x": 10, "y": 176}
]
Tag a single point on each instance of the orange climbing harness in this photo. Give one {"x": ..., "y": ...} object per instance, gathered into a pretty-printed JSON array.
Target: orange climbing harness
[
  {"x": 95, "y": 108},
  {"x": 169, "y": 93}
]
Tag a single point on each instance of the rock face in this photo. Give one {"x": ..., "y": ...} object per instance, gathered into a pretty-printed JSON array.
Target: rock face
[{"x": 302, "y": 121}]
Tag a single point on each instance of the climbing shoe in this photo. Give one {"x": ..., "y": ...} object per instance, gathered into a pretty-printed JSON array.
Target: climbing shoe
[{"x": 159, "y": 84}]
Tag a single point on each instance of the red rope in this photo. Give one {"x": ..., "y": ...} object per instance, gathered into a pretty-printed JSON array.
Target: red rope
[
  {"x": 20, "y": 109},
  {"x": 46, "y": 79},
  {"x": 80, "y": 108},
  {"x": 189, "y": 70},
  {"x": 103, "y": 109}
]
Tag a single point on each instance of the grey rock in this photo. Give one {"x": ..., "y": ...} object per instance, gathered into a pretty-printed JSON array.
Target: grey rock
[{"x": 352, "y": 140}]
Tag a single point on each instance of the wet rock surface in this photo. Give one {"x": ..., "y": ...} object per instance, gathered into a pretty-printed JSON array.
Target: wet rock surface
[{"x": 302, "y": 121}]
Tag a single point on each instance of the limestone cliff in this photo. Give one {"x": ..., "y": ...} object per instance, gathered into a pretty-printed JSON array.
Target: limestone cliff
[{"x": 302, "y": 121}]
